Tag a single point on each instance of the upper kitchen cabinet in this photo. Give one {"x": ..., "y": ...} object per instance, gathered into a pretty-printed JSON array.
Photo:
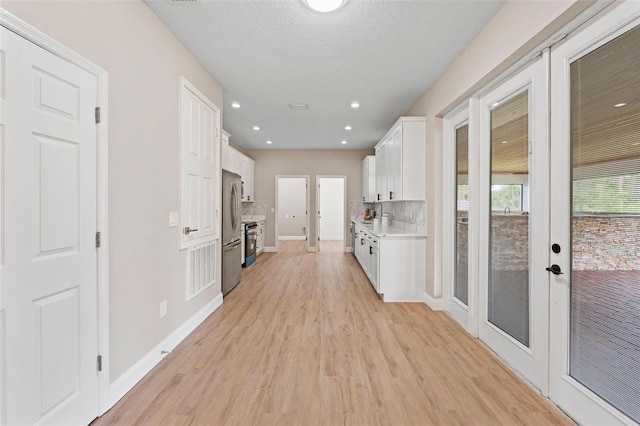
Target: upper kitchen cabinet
[
  {"x": 247, "y": 166},
  {"x": 236, "y": 162},
  {"x": 369, "y": 179},
  {"x": 400, "y": 161}
]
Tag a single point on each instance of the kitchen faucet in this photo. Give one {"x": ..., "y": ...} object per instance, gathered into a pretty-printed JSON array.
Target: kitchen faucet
[{"x": 507, "y": 210}]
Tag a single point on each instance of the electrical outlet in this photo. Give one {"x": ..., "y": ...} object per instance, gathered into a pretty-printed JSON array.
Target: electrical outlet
[
  {"x": 173, "y": 219},
  {"x": 163, "y": 308}
]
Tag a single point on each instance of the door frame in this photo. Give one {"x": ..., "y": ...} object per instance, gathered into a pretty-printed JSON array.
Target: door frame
[
  {"x": 531, "y": 362},
  {"x": 37, "y": 37},
  {"x": 344, "y": 208},
  {"x": 307, "y": 180},
  {"x": 577, "y": 400}
]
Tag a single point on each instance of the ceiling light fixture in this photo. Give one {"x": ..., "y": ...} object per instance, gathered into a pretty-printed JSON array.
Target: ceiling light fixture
[
  {"x": 343, "y": 142},
  {"x": 503, "y": 142},
  {"x": 621, "y": 104},
  {"x": 495, "y": 104},
  {"x": 235, "y": 105},
  {"x": 256, "y": 128},
  {"x": 324, "y": 5},
  {"x": 269, "y": 142},
  {"x": 347, "y": 128},
  {"x": 355, "y": 105}
]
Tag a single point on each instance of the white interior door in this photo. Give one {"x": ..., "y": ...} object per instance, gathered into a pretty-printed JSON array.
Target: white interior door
[
  {"x": 513, "y": 178},
  {"x": 595, "y": 211},
  {"x": 200, "y": 152},
  {"x": 48, "y": 278}
]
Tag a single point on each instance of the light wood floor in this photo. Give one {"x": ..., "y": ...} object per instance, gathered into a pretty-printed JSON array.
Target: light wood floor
[{"x": 304, "y": 340}]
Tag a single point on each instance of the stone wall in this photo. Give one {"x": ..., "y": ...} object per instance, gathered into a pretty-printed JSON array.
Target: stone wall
[{"x": 606, "y": 243}]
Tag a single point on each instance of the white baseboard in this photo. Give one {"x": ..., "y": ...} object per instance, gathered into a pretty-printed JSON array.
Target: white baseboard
[
  {"x": 133, "y": 375},
  {"x": 312, "y": 249},
  {"x": 433, "y": 303},
  {"x": 270, "y": 249},
  {"x": 348, "y": 249},
  {"x": 332, "y": 238},
  {"x": 291, "y": 238}
]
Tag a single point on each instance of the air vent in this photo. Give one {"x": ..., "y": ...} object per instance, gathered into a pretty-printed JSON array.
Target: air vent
[
  {"x": 299, "y": 107},
  {"x": 201, "y": 268}
]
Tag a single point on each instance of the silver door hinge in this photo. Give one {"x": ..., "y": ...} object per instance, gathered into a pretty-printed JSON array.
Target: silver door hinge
[
  {"x": 97, "y": 115},
  {"x": 99, "y": 362},
  {"x": 98, "y": 239}
]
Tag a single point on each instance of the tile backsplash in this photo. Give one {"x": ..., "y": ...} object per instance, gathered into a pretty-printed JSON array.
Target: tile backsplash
[
  {"x": 255, "y": 208},
  {"x": 401, "y": 212}
]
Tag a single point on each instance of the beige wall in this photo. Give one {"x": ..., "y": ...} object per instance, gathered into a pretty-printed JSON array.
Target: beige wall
[
  {"x": 517, "y": 28},
  {"x": 144, "y": 61},
  {"x": 270, "y": 163}
]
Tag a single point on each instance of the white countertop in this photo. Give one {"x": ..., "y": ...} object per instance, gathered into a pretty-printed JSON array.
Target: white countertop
[{"x": 389, "y": 231}]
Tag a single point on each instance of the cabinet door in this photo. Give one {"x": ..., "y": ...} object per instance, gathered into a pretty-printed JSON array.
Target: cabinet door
[
  {"x": 224, "y": 151},
  {"x": 395, "y": 166},
  {"x": 365, "y": 179},
  {"x": 373, "y": 267},
  {"x": 382, "y": 160},
  {"x": 250, "y": 179}
]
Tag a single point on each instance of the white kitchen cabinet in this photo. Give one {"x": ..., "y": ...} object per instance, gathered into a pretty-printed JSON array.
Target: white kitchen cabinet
[
  {"x": 369, "y": 179},
  {"x": 247, "y": 167},
  {"x": 260, "y": 237},
  {"x": 400, "y": 161},
  {"x": 393, "y": 260},
  {"x": 224, "y": 150}
]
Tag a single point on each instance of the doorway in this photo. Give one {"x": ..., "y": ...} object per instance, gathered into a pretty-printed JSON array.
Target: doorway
[
  {"x": 330, "y": 202},
  {"x": 292, "y": 213},
  {"x": 53, "y": 311}
]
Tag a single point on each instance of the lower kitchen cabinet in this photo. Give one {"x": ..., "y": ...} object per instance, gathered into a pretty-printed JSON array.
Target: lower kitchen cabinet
[
  {"x": 394, "y": 261},
  {"x": 260, "y": 238}
]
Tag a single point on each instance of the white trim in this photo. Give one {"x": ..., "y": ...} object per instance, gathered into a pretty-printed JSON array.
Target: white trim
[
  {"x": 137, "y": 371},
  {"x": 308, "y": 208},
  {"x": 333, "y": 238},
  {"x": 270, "y": 250},
  {"x": 291, "y": 238},
  {"x": 348, "y": 249},
  {"x": 312, "y": 249},
  {"x": 436, "y": 304},
  {"x": 30, "y": 33}
]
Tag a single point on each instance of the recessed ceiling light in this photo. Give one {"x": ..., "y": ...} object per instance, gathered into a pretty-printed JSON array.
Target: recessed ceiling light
[
  {"x": 503, "y": 142},
  {"x": 256, "y": 128},
  {"x": 269, "y": 142},
  {"x": 324, "y": 5},
  {"x": 343, "y": 142},
  {"x": 298, "y": 106},
  {"x": 235, "y": 105},
  {"x": 347, "y": 128},
  {"x": 355, "y": 105},
  {"x": 621, "y": 104},
  {"x": 495, "y": 104}
]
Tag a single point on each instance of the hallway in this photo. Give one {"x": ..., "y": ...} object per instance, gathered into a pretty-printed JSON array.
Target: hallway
[{"x": 305, "y": 340}]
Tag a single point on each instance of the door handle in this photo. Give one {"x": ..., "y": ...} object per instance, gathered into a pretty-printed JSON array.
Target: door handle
[
  {"x": 370, "y": 250},
  {"x": 188, "y": 230},
  {"x": 555, "y": 270}
]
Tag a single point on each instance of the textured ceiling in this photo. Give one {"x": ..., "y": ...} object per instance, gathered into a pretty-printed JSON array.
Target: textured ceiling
[{"x": 267, "y": 54}]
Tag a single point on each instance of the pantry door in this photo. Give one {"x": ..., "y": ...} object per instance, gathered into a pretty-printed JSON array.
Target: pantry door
[
  {"x": 595, "y": 211},
  {"x": 49, "y": 275},
  {"x": 513, "y": 218}
]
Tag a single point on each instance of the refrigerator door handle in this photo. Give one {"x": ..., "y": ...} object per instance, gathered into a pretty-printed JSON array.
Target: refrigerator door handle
[{"x": 234, "y": 207}]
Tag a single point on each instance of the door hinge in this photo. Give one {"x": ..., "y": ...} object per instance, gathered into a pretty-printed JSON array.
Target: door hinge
[
  {"x": 99, "y": 362},
  {"x": 97, "y": 115},
  {"x": 98, "y": 239}
]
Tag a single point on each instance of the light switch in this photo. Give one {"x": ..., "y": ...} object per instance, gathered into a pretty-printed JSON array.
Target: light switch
[
  {"x": 273, "y": 210},
  {"x": 173, "y": 219},
  {"x": 163, "y": 308}
]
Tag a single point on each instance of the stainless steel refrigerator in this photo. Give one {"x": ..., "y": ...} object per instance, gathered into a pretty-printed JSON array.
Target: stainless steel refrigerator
[{"x": 231, "y": 236}]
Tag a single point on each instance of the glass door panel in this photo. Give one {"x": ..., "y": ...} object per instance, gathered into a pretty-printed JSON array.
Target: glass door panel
[
  {"x": 604, "y": 344},
  {"x": 461, "y": 282},
  {"x": 508, "y": 298}
]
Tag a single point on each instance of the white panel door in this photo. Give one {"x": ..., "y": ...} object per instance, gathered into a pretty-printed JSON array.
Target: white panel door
[
  {"x": 395, "y": 169},
  {"x": 49, "y": 287},
  {"x": 200, "y": 142},
  {"x": 595, "y": 170},
  {"x": 513, "y": 286}
]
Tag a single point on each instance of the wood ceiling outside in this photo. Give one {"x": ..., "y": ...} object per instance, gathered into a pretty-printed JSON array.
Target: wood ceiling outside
[{"x": 601, "y": 133}]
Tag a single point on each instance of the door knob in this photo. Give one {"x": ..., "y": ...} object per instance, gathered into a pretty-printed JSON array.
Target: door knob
[
  {"x": 555, "y": 270},
  {"x": 188, "y": 230}
]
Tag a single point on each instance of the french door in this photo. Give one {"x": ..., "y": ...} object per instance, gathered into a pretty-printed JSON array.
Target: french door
[
  {"x": 595, "y": 226},
  {"x": 513, "y": 221}
]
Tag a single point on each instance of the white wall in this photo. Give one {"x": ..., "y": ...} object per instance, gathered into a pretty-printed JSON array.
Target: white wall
[
  {"x": 517, "y": 28},
  {"x": 292, "y": 206},
  {"x": 144, "y": 61},
  {"x": 331, "y": 206}
]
